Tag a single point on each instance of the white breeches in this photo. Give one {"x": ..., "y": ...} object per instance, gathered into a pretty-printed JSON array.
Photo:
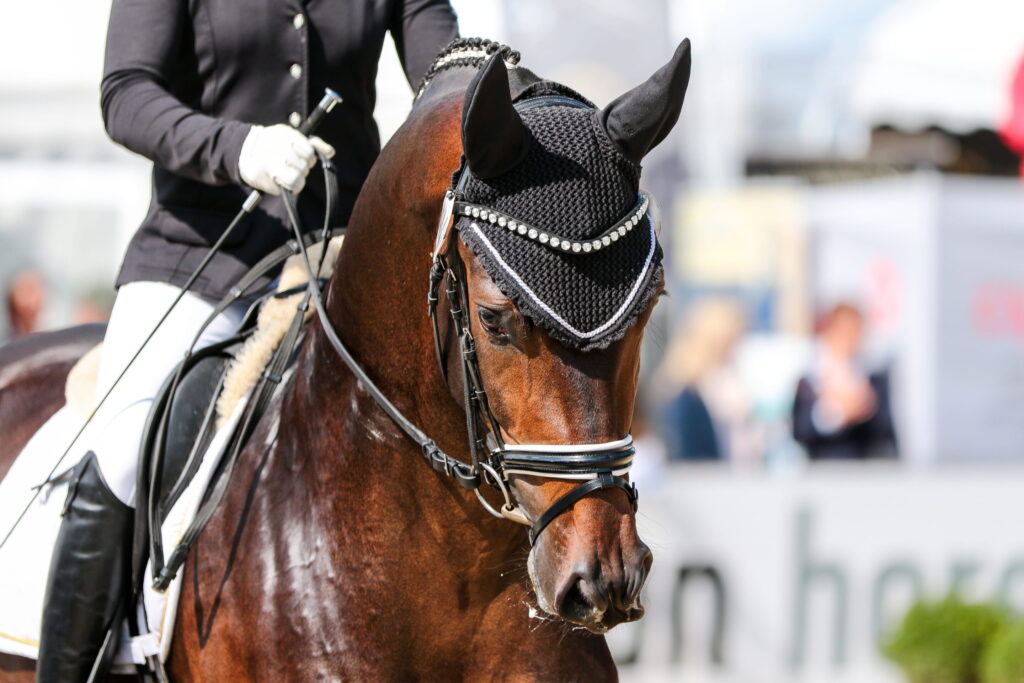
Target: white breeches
[{"x": 116, "y": 432}]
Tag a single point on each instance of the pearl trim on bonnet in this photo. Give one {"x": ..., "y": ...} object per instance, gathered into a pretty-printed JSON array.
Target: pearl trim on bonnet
[
  {"x": 617, "y": 316},
  {"x": 550, "y": 239}
]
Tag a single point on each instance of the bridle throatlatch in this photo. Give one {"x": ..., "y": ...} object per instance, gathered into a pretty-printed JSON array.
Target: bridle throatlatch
[{"x": 598, "y": 466}]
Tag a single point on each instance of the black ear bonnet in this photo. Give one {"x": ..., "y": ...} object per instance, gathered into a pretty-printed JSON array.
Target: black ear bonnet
[{"x": 550, "y": 202}]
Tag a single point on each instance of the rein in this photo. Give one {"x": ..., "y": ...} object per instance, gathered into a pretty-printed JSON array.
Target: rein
[{"x": 599, "y": 466}]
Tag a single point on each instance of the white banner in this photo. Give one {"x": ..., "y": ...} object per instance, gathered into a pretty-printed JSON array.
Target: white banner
[{"x": 761, "y": 579}]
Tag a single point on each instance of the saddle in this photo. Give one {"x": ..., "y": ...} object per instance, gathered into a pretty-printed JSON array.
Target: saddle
[
  {"x": 199, "y": 402},
  {"x": 196, "y": 430}
]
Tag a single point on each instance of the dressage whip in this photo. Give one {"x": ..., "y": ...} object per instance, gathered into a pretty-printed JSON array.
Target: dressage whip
[{"x": 324, "y": 107}]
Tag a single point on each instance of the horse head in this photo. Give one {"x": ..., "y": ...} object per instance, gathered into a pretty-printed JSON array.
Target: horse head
[{"x": 560, "y": 265}]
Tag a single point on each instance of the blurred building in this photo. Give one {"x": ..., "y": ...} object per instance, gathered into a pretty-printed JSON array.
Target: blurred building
[{"x": 839, "y": 89}]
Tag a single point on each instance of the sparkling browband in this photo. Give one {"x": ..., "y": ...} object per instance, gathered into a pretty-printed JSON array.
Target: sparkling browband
[{"x": 550, "y": 239}]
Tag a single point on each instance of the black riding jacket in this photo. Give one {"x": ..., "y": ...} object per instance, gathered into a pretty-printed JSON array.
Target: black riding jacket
[{"x": 184, "y": 80}]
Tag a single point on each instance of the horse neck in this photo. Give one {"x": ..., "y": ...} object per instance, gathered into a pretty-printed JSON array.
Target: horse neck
[
  {"x": 377, "y": 301},
  {"x": 377, "y": 304}
]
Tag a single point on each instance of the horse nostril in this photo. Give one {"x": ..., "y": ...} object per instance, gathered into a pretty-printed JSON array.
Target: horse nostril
[
  {"x": 573, "y": 604},
  {"x": 603, "y": 596}
]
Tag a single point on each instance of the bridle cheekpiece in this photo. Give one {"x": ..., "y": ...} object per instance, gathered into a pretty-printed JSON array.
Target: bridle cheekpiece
[{"x": 598, "y": 466}]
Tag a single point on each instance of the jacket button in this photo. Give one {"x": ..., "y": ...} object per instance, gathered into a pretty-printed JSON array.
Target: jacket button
[
  {"x": 295, "y": 71},
  {"x": 299, "y": 21},
  {"x": 295, "y": 119}
]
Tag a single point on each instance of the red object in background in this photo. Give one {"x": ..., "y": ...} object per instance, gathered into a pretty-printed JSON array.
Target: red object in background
[
  {"x": 1013, "y": 129},
  {"x": 997, "y": 311},
  {"x": 884, "y": 296}
]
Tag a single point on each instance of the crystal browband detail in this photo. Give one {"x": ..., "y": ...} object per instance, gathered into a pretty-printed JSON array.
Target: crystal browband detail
[{"x": 550, "y": 239}]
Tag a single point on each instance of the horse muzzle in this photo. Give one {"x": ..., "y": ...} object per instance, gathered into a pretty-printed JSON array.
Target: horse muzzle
[{"x": 593, "y": 585}]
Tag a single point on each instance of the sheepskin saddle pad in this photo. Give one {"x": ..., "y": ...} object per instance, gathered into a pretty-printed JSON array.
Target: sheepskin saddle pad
[{"x": 25, "y": 558}]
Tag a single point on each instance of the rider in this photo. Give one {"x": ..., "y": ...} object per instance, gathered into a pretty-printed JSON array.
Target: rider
[{"x": 202, "y": 89}]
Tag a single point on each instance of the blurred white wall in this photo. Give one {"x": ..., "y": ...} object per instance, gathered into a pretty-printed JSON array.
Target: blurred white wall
[
  {"x": 69, "y": 198},
  {"x": 477, "y": 18},
  {"x": 52, "y": 54},
  {"x": 939, "y": 63},
  {"x": 815, "y": 571}
]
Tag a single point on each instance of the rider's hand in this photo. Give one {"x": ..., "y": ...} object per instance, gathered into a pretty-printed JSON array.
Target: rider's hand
[{"x": 279, "y": 155}]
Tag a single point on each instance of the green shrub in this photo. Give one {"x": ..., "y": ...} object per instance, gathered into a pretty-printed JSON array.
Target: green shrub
[
  {"x": 942, "y": 642},
  {"x": 1003, "y": 661}
]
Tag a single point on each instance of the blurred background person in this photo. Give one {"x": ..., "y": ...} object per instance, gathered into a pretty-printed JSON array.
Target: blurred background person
[
  {"x": 708, "y": 416},
  {"x": 93, "y": 307},
  {"x": 841, "y": 411},
  {"x": 651, "y": 456},
  {"x": 26, "y": 297}
]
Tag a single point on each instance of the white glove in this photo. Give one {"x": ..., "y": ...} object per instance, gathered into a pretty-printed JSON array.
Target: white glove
[{"x": 279, "y": 156}]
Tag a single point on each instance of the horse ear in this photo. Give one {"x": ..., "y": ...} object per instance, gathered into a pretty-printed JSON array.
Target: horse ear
[
  {"x": 494, "y": 138},
  {"x": 641, "y": 118}
]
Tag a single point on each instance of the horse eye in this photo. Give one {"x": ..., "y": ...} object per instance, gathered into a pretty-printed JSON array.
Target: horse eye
[{"x": 492, "y": 322}]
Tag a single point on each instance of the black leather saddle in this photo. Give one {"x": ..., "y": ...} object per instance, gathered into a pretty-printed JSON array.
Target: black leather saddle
[{"x": 182, "y": 423}]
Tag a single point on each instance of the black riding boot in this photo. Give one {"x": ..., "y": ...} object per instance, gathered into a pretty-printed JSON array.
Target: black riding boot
[{"x": 87, "y": 577}]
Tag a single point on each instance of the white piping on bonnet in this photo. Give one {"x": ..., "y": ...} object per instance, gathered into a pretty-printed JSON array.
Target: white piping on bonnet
[{"x": 619, "y": 314}]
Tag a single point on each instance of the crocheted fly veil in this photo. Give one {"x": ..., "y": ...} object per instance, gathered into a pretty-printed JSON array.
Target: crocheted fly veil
[{"x": 548, "y": 198}]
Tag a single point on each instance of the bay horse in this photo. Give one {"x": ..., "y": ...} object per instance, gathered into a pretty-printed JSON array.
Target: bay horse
[{"x": 338, "y": 553}]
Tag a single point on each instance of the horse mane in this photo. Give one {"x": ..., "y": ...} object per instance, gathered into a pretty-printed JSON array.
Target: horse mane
[
  {"x": 471, "y": 53},
  {"x": 464, "y": 52}
]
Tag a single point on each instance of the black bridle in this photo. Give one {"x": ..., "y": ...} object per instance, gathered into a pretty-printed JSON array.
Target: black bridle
[{"x": 597, "y": 466}]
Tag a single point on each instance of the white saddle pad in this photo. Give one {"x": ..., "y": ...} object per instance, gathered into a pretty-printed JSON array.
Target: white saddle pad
[{"x": 25, "y": 559}]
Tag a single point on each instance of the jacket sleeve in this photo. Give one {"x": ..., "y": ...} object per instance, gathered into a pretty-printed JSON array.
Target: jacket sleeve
[
  {"x": 881, "y": 425},
  {"x": 804, "y": 429},
  {"x": 144, "y": 41},
  {"x": 421, "y": 29}
]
